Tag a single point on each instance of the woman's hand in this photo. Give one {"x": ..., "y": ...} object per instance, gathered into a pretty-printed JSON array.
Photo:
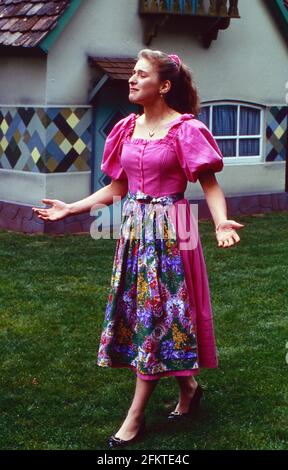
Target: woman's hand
[
  {"x": 58, "y": 211},
  {"x": 226, "y": 234}
]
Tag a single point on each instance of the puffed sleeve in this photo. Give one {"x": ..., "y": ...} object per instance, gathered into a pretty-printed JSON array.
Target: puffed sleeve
[
  {"x": 111, "y": 164},
  {"x": 197, "y": 150}
]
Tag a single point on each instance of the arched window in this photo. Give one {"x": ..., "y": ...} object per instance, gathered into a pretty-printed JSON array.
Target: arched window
[{"x": 237, "y": 128}]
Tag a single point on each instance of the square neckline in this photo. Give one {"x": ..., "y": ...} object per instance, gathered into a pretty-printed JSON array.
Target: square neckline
[{"x": 160, "y": 139}]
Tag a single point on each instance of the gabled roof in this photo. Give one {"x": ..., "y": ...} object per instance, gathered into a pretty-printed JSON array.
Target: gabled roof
[
  {"x": 118, "y": 68},
  {"x": 115, "y": 68},
  {"x": 26, "y": 24}
]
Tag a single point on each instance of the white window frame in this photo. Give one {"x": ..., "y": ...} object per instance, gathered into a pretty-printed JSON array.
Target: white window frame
[{"x": 237, "y": 137}]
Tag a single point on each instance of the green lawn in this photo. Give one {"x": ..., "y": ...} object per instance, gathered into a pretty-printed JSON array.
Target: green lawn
[{"x": 53, "y": 293}]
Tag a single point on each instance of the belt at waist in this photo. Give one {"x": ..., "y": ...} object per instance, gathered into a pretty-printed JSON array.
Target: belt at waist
[{"x": 139, "y": 196}]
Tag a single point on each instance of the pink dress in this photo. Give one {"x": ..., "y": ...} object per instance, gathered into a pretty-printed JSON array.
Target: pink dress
[{"x": 159, "y": 319}]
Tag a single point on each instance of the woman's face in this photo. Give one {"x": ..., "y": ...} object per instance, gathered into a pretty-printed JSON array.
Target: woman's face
[{"x": 144, "y": 84}]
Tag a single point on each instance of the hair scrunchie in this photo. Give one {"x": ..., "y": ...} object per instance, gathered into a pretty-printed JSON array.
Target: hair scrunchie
[{"x": 175, "y": 59}]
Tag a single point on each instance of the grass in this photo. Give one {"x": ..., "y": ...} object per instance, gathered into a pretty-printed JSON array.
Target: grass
[{"x": 53, "y": 293}]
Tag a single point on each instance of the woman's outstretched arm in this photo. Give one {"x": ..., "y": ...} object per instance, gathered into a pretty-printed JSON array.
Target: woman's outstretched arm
[
  {"x": 224, "y": 229},
  {"x": 102, "y": 196},
  {"x": 60, "y": 210}
]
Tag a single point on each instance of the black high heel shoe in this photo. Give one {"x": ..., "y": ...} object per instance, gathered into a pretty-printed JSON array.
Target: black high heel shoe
[
  {"x": 194, "y": 405},
  {"x": 117, "y": 442}
]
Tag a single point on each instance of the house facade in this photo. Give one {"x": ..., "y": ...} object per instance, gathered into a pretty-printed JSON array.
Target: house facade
[{"x": 64, "y": 69}]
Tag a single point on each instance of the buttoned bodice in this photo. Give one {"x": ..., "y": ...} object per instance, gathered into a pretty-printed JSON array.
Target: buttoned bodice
[{"x": 161, "y": 166}]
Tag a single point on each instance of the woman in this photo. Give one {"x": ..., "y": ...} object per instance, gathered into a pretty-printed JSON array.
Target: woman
[{"x": 158, "y": 318}]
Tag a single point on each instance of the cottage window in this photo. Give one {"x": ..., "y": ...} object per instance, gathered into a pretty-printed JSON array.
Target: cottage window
[{"x": 237, "y": 129}]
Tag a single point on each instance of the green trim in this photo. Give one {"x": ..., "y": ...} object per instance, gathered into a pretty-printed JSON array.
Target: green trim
[
  {"x": 283, "y": 10},
  {"x": 280, "y": 13},
  {"x": 49, "y": 40}
]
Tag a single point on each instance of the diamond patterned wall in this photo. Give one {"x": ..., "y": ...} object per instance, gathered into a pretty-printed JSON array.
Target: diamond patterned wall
[
  {"x": 45, "y": 140},
  {"x": 276, "y": 133}
]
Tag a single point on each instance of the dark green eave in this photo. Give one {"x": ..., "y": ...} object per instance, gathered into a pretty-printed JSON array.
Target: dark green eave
[
  {"x": 280, "y": 13},
  {"x": 49, "y": 40}
]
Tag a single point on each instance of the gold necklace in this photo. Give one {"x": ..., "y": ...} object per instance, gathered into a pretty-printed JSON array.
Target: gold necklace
[{"x": 152, "y": 131}]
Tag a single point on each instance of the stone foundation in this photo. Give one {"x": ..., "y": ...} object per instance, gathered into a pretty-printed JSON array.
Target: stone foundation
[
  {"x": 247, "y": 204},
  {"x": 20, "y": 217}
]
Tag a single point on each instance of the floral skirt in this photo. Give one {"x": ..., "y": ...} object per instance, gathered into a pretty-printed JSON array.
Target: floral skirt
[{"x": 148, "y": 324}]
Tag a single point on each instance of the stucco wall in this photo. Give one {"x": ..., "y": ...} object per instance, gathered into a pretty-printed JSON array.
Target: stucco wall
[
  {"x": 248, "y": 60},
  {"x": 26, "y": 187},
  {"x": 22, "y": 80},
  {"x": 30, "y": 188}
]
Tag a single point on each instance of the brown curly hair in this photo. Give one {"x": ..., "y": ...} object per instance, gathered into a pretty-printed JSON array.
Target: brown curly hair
[{"x": 183, "y": 95}]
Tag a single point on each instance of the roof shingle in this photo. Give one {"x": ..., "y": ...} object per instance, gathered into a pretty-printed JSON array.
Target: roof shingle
[
  {"x": 118, "y": 68},
  {"x": 26, "y": 23}
]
